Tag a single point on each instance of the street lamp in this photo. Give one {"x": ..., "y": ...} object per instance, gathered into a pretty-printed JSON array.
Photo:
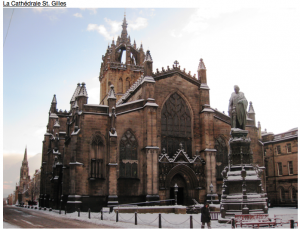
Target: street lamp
[
  {"x": 211, "y": 191},
  {"x": 211, "y": 188},
  {"x": 175, "y": 192}
]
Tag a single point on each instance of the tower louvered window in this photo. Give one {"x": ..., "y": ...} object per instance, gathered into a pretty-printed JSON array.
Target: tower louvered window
[
  {"x": 128, "y": 155},
  {"x": 97, "y": 158},
  {"x": 176, "y": 125}
]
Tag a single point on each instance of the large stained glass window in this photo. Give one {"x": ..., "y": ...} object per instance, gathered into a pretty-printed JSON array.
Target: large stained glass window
[{"x": 176, "y": 125}]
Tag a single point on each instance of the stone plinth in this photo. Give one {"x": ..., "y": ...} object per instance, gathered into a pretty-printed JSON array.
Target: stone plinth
[{"x": 242, "y": 191}]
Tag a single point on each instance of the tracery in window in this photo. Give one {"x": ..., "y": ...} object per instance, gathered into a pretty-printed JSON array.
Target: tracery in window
[
  {"x": 176, "y": 125},
  {"x": 221, "y": 156},
  {"x": 97, "y": 157},
  {"x": 128, "y": 155}
]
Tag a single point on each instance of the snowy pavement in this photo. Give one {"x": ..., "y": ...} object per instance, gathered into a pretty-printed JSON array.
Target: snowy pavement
[{"x": 171, "y": 220}]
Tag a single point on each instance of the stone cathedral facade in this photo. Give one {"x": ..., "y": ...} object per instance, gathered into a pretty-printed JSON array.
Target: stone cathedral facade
[{"x": 150, "y": 130}]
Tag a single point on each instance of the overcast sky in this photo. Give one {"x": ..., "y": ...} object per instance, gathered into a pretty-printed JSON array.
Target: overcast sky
[{"x": 48, "y": 51}]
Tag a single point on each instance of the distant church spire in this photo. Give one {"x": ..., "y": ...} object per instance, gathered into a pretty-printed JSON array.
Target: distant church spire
[
  {"x": 25, "y": 162},
  {"x": 25, "y": 155}
]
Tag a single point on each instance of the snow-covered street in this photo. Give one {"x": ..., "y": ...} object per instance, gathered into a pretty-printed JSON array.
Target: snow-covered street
[{"x": 126, "y": 220}]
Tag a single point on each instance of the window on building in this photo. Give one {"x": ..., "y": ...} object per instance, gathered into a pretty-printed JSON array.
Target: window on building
[
  {"x": 176, "y": 125},
  {"x": 221, "y": 156},
  {"x": 97, "y": 157},
  {"x": 128, "y": 155},
  {"x": 279, "y": 165},
  {"x": 290, "y": 168},
  {"x": 267, "y": 168},
  {"x": 96, "y": 168},
  {"x": 281, "y": 194},
  {"x": 293, "y": 195},
  {"x": 278, "y": 149},
  {"x": 289, "y": 148}
]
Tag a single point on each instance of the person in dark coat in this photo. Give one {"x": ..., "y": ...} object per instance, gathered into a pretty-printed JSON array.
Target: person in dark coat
[{"x": 205, "y": 216}]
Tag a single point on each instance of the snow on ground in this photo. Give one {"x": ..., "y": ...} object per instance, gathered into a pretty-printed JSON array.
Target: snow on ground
[
  {"x": 126, "y": 220},
  {"x": 8, "y": 225}
]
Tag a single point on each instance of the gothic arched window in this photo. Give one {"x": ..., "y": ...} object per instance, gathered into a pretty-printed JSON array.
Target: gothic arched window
[
  {"x": 128, "y": 155},
  {"x": 221, "y": 156},
  {"x": 176, "y": 125},
  {"x": 120, "y": 86},
  {"x": 97, "y": 157},
  {"x": 281, "y": 194},
  {"x": 127, "y": 83}
]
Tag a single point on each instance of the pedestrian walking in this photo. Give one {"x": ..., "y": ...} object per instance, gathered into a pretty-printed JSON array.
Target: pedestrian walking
[{"x": 205, "y": 216}]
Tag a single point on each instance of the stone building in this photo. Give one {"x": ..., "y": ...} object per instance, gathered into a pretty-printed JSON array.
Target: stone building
[
  {"x": 281, "y": 162},
  {"x": 150, "y": 130},
  {"x": 27, "y": 190}
]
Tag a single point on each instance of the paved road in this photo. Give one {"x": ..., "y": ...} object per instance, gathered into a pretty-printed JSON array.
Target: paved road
[{"x": 30, "y": 218}]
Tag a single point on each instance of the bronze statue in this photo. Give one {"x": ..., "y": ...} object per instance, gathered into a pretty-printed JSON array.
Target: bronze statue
[{"x": 238, "y": 109}]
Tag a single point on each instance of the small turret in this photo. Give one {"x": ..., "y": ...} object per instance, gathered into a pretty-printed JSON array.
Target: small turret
[
  {"x": 259, "y": 130},
  {"x": 111, "y": 98},
  {"x": 251, "y": 113},
  {"x": 202, "y": 72},
  {"x": 82, "y": 96},
  {"x": 76, "y": 92},
  {"x": 53, "y": 105},
  {"x": 148, "y": 64}
]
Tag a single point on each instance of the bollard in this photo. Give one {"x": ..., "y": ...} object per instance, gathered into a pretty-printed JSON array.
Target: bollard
[
  {"x": 60, "y": 209},
  {"x": 89, "y": 213},
  {"x": 65, "y": 209},
  {"x": 232, "y": 223},
  {"x": 135, "y": 218},
  {"x": 117, "y": 216},
  {"x": 292, "y": 222},
  {"x": 78, "y": 212},
  {"x": 159, "y": 220},
  {"x": 45, "y": 208},
  {"x": 101, "y": 214},
  {"x": 191, "y": 221}
]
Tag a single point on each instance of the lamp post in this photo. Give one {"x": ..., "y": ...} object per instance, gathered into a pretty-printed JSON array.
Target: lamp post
[
  {"x": 175, "y": 192},
  {"x": 211, "y": 192}
]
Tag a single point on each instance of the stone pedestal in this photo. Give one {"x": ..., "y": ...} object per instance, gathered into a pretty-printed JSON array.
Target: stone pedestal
[{"x": 242, "y": 191}]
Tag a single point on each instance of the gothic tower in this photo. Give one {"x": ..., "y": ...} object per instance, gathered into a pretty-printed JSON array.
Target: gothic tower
[{"x": 121, "y": 65}]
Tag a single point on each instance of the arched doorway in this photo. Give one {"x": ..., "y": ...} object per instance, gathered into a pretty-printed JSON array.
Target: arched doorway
[{"x": 182, "y": 189}]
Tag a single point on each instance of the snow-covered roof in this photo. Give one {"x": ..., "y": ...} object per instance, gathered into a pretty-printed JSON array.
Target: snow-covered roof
[
  {"x": 75, "y": 93},
  {"x": 82, "y": 91},
  {"x": 111, "y": 93},
  {"x": 131, "y": 90}
]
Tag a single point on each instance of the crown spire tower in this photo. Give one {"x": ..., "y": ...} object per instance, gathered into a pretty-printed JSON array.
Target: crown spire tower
[
  {"x": 122, "y": 65},
  {"x": 124, "y": 30}
]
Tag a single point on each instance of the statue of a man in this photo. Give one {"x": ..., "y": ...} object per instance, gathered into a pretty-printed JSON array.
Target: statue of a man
[{"x": 238, "y": 109}]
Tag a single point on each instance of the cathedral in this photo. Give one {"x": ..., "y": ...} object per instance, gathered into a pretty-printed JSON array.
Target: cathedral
[{"x": 152, "y": 129}]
